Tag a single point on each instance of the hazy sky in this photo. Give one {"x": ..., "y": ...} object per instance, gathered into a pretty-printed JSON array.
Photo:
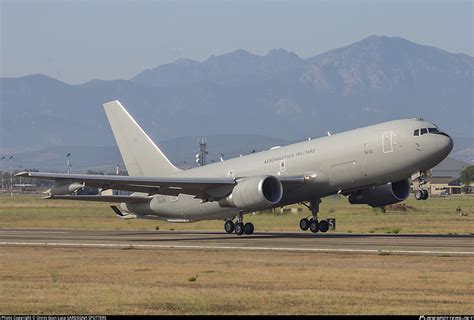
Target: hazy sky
[{"x": 76, "y": 41}]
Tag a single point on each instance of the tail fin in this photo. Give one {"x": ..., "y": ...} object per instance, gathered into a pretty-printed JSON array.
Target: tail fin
[{"x": 141, "y": 156}]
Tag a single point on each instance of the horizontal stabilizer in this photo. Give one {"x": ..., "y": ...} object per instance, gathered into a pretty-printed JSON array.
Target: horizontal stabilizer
[{"x": 121, "y": 215}]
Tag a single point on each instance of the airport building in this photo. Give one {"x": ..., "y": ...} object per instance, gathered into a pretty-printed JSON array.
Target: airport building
[
  {"x": 441, "y": 186},
  {"x": 445, "y": 178}
]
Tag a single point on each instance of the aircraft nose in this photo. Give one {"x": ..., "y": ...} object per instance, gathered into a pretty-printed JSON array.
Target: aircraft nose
[{"x": 445, "y": 144}]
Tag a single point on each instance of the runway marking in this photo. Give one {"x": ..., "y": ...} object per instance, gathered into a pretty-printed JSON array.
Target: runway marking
[
  {"x": 159, "y": 246},
  {"x": 28, "y": 231}
]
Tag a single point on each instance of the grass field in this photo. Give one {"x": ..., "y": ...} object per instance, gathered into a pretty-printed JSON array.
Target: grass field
[
  {"x": 45, "y": 280},
  {"x": 110, "y": 281},
  {"x": 436, "y": 215}
]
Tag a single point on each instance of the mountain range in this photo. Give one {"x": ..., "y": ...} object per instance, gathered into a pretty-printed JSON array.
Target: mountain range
[
  {"x": 279, "y": 95},
  {"x": 180, "y": 151}
]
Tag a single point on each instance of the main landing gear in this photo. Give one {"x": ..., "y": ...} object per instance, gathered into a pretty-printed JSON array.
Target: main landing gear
[
  {"x": 421, "y": 193},
  {"x": 239, "y": 227},
  {"x": 313, "y": 224}
]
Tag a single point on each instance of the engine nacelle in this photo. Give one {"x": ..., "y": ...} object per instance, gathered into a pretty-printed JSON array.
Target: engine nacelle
[
  {"x": 254, "y": 193},
  {"x": 62, "y": 188},
  {"x": 382, "y": 195}
]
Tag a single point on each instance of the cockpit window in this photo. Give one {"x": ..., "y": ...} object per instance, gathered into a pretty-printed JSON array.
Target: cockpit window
[
  {"x": 422, "y": 131},
  {"x": 436, "y": 131}
]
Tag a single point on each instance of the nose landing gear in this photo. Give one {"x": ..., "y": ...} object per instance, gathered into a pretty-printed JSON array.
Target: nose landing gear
[{"x": 421, "y": 193}]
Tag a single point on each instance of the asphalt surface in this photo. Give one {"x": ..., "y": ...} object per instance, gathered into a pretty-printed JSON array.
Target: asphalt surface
[{"x": 279, "y": 241}]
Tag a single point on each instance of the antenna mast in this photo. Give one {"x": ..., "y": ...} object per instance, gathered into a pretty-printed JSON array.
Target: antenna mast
[{"x": 201, "y": 155}]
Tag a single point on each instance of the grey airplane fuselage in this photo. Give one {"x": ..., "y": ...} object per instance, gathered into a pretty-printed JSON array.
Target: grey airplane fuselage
[{"x": 350, "y": 160}]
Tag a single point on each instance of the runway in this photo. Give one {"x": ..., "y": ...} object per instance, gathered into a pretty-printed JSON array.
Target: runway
[{"x": 211, "y": 240}]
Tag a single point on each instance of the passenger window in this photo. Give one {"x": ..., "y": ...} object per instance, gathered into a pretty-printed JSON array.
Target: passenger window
[
  {"x": 416, "y": 133},
  {"x": 423, "y": 131}
]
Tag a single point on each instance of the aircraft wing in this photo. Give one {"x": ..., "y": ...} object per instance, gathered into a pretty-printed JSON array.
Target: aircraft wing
[{"x": 201, "y": 187}]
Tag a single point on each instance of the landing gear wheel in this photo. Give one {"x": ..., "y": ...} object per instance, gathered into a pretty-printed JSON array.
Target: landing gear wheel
[
  {"x": 314, "y": 226},
  {"x": 419, "y": 194},
  {"x": 239, "y": 228},
  {"x": 248, "y": 228},
  {"x": 323, "y": 225},
  {"x": 304, "y": 224},
  {"x": 313, "y": 223},
  {"x": 229, "y": 226},
  {"x": 425, "y": 194}
]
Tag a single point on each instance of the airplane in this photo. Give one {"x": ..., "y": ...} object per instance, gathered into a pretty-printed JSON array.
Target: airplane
[{"x": 372, "y": 165}]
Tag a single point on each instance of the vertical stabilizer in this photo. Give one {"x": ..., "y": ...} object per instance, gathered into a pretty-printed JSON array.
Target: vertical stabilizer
[{"x": 141, "y": 156}]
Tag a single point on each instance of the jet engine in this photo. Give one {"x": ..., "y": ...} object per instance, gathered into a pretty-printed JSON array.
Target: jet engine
[
  {"x": 64, "y": 187},
  {"x": 382, "y": 195},
  {"x": 254, "y": 193}
]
